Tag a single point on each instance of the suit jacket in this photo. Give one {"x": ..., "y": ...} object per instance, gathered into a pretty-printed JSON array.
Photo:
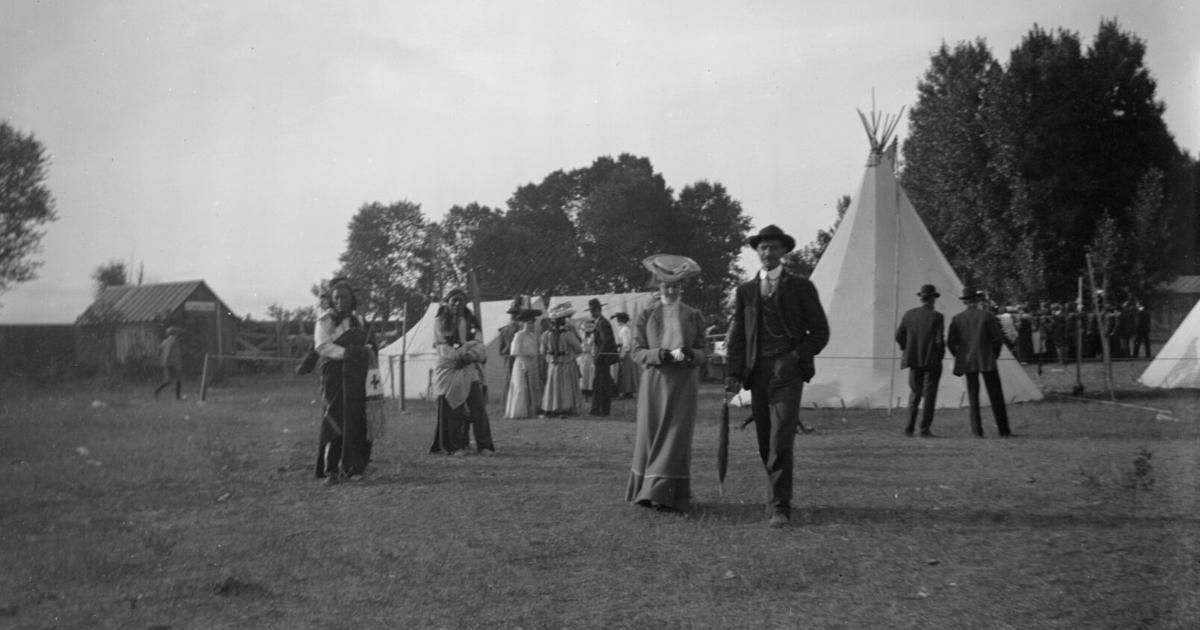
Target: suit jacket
[
  {"x": 647, "y": 340},
  {"x": 975, "y": 339},
  {"x": 804, "y": 318},
  {"x": 922, "y": 337}
]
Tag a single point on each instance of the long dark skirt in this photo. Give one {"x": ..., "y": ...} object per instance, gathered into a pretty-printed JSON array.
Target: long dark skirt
[
  {"x": 455, "y": 424},
  {"x": 344, "y": 448}
]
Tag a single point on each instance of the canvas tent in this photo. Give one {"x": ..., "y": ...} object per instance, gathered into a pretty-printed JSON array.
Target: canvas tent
[
  {"x": 867, "y": 277},
  {"x": 419, "y": 354},
  {"x": 1177, "y": 364}
]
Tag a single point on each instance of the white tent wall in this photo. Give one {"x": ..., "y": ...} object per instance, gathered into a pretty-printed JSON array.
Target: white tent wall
[
  {"x": 420, "y": 355},
  {"x": 868, "y": 276},
  {"x": 1177, "y": 364}
]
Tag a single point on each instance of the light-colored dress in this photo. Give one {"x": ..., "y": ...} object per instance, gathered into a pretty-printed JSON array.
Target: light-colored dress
[
  {"x": 626, "y": 376},
  {"x": 666, "y": 407},
  {"x": 525, "y": 385},
  {"x": 562, "y": 396},
  {"x": 587, "y": 357}
]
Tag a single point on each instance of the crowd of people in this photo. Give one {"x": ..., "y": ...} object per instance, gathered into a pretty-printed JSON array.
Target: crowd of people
[
  {"x": 1060, "y": 331},
  {"x": 560, "y": 366}
]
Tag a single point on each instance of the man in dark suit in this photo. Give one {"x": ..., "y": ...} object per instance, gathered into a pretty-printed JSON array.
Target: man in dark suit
[
  {"x": 778, "y": 326},
  {"x": 605, "y": 343},
  {"x": 922, "y": 339},
  {"x": 975, "y": 339}
]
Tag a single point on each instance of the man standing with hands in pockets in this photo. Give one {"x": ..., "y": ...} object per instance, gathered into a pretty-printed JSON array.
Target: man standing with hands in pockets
[
  {"x": 778, "y": 327},
  {"x": 922, "y": 340}
]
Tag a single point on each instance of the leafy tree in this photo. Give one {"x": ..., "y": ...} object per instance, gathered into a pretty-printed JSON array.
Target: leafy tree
[
  {"x": 713, "y": 232},
  {"x": 1015, "y": 168},
  {"x": 25, "y": 205},
  {"x": 389, "y": 259},
  {"x": 110, "y": 274}
]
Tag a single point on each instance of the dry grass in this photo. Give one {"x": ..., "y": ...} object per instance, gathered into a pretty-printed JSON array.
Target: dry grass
[{"x": 133, "y": 513}]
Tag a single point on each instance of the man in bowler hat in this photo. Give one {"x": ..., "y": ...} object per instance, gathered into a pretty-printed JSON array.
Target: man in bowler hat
[
  {"x": 778, "y": 326},
  {"x": 922, "y": 340},
  {"x": 975, "y": 340}
]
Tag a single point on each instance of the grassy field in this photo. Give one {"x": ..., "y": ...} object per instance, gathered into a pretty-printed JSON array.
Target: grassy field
[{"x": 119, "y": 511}]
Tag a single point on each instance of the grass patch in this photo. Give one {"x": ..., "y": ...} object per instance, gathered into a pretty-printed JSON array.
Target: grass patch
[{"x": 119, "y": 511}]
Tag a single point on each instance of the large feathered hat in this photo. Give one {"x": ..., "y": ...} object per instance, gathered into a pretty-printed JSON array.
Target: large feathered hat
[{"x": 671, "y": 267}]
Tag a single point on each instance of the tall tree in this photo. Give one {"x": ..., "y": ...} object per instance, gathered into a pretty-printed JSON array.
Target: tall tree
[
  {"x": 713, "y": 231},
  {"x": 1014, "y": 168},
  {"x": 110, "y": 274},
  {"x": 25, "y": 205},
  {"x": 389, "y": 259}
]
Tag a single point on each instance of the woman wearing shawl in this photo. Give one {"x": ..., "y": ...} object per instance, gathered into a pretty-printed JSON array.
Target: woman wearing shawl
[
  {"x": 525, "y": 384},
  {"x": 669, "y": 345},
  {"x": 560, "y": 345},
  {"x": 340, "y": 341},
  {"x": 458, "y": 379},
  {"x": 626, "y": 377}
]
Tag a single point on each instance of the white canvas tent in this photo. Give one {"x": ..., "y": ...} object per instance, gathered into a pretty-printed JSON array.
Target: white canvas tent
[
  {"x": 419, "y": 354},
  {"x": 1177, "y": 364},
  {"x": 867, "y": 277}
]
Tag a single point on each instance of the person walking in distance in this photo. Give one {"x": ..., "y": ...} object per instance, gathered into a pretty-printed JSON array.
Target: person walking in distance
[
  {"x": 975, "y": 339},
  {"x": 171, "y": 358},
  {"x": 777, "y": 329},
  {"x": 922, "y": 340}
]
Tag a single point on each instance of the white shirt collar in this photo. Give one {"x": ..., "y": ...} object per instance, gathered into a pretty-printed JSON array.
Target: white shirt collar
[{"x": 772, "y": 275}]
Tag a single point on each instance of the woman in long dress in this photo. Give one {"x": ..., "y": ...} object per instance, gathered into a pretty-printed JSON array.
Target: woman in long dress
[
  {"x": 560, "y": 345},
  {"x": 525, "y": 385},
  {"x": 626, "y": 377},
  {"x": 344, "y": 449},
  {"x": 669, "y": 345}
]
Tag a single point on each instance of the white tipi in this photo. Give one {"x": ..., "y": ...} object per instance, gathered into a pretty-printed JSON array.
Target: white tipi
[
  {"x": 1177, "y": 364},
  {"x": 868, "y": 276}
]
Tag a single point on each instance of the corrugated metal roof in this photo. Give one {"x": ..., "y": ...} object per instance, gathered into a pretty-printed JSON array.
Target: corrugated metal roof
[
  {"x": 138, "y": 303},
  {"x": 1184, "y": 284}
]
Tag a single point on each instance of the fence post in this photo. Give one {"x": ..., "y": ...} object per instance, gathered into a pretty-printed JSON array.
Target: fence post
[{"x": 204, "y": 378}]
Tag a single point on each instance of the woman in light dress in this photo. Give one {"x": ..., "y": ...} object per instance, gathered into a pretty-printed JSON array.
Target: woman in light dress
[{"x": 525, "y": 385}]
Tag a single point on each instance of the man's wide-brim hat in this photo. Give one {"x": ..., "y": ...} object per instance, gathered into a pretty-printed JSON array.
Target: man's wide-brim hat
[
  {"x": 971, "y": 293},
  {"x": 772, "y": 232},
  {"x": 528, "y": 314},
  {"x": 671, "y": 267},
  {"x": 594, "y": 304},
  {"x": 560, "y": 310},
  {"x": 928, "y": 290}
]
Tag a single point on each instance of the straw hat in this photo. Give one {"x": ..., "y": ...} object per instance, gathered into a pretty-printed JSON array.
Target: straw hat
[
  {"x": 560, "y": 310},
  {"x": 671, "y": 268}
]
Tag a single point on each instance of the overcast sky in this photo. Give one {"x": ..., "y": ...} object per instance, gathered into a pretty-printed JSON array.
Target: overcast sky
[{"x": 233, "y": 141}]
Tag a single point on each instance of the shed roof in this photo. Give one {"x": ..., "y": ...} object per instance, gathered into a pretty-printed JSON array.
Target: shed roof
[{"x": 138, "y": 303}]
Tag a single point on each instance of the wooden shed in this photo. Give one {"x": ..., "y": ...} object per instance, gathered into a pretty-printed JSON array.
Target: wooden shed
[{"x": 126, "y": 324}]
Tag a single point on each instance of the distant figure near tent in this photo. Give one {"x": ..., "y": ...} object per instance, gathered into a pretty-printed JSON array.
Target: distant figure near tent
[
  {"x": 975, "y": 339},
  {"x": 561, "y": 345},
  {"x": 524, "y": 397},
  {"x": 880, "y": 250},
  {"x": 922, "y": 338}
]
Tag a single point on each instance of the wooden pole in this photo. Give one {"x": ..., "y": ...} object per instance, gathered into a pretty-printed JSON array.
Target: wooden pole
[{"x": 204, "y": 378}]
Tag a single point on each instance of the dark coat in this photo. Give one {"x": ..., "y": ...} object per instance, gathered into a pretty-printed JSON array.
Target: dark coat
[
  {"x": 922, "y": 337},
  {"x": 975, "y": 339},
  {"x": 605, "y": 342},
  {"x": 804, "y": 319}
]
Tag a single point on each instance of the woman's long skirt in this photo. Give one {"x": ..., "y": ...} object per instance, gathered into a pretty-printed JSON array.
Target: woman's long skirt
[
  {"x": 627, "y": 377},
  {"x": 562, "y": 396},
  {"x": 524, "y": 389},
  {"x": 662, "y": 451}
]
